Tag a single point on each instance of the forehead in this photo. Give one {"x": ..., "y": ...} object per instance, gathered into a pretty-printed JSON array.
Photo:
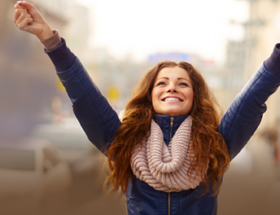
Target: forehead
[{"x": 173, "y": 72}]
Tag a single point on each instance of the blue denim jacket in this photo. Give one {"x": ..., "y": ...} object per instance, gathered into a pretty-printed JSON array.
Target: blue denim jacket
[{"x": 100, "y": 123}]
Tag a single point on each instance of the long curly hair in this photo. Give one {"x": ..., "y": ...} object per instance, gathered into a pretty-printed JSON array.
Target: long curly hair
[{"x": 210, "y": 150}]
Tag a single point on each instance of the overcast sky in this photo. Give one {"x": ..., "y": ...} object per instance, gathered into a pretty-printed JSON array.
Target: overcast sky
[{"x": 143, "y": 27}]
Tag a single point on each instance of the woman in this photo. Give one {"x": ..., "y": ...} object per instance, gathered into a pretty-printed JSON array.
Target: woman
[{"x": 169, "y": 153}]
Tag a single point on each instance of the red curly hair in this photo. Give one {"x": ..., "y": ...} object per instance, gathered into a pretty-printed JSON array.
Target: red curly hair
[{"x": 209, "y": 147}]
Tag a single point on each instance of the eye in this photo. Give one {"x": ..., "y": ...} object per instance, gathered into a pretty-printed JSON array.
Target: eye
[
  {"x": 160, "y": 83},
  {"x": 184, "y": 84}
]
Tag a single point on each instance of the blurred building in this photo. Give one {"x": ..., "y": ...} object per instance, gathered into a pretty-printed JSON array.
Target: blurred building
[
  {"x": 28, "y": 82},
  {"x": 233, "y": 76},
  {"x": 117, "y": 78},
  {"x": 235, "y": 65},
  {"x": 261, "y": 34},
  {"x": 78, "y": 29},
  {"x": 172, "y": 56}
]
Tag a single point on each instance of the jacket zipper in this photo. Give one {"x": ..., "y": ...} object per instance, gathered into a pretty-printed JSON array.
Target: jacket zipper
[
  {"x": 171, "y": 126},
  {"x": 168, "y": 203}
]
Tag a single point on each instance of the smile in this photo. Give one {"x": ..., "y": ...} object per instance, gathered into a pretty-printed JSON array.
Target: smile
[{"x": 171, "y": 99}]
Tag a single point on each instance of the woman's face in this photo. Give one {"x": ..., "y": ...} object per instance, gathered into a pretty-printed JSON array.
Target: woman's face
[{"x": 172, "y": 93}]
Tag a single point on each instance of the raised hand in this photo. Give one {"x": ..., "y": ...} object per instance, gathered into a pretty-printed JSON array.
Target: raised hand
[{"x": 28, "y": 18}]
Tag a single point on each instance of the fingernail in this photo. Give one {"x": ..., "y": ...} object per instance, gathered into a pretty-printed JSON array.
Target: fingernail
[{"x": 18, "y": 2}]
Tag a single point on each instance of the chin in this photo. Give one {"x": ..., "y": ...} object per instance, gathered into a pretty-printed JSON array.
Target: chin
[
  {"x": 176, "y": 113},
  {"x": 173, "y": 113}
]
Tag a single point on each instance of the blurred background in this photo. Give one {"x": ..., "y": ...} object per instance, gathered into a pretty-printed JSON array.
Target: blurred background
[{"x": 48, "y": 166}]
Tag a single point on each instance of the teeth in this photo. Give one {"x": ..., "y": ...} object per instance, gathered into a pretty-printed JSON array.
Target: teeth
[{"x": 171, "y": 99}]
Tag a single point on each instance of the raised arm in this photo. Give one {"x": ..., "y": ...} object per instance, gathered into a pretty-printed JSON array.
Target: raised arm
[
  {"x": 245, "y": 113},
  {"x": 91, "y": 108}
]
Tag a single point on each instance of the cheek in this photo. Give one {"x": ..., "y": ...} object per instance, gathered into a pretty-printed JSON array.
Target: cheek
[
  {"x": 155, "y": 99},
  {"x": 153, "y": 95},
  {"x": 190, "y": 96}
]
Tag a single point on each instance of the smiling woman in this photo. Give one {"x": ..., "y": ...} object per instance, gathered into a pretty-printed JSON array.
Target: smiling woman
[
  {"x": 170, "y": 152},
  {"x": 170, "y": 93},
  {"x": 173, "y": 92}
]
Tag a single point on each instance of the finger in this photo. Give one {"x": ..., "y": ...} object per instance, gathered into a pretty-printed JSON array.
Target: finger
[
  {"x": 24, "y": 24},
  {"x": 32, "y": 10},
  {"x": 18, "y": 12},
  {"x": 28, "y": 6},
  {"x": 17, "y": 6},
  {"x": 22, "y": 17}
]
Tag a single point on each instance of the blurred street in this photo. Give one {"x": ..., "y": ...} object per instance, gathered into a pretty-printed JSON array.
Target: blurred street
[
  {"x": 252, "y": 183},
  {"x": 251, "y": 186},
  {"x": 86, "y": 196}
]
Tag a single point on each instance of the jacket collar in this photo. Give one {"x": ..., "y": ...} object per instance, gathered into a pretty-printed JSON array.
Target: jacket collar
[{"x": 164, "y": 122}]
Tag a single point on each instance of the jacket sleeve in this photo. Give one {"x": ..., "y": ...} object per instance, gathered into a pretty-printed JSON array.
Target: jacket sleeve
[
  {"x": 245, "y": 113},
  {"x": 91, "y": 108}
]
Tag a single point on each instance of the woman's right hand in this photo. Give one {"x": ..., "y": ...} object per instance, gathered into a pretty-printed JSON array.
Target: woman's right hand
[{"x": 28, "y": 18}]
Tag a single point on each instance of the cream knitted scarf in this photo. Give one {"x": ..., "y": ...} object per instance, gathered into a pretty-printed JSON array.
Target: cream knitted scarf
[{"x": 164, "y": 167}]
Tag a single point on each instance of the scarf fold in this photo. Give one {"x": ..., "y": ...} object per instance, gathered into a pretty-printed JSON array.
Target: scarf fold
[{"x": 165, "y": 168}]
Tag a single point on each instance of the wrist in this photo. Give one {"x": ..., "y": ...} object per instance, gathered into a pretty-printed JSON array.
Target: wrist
[{"x": 45, "y": 34}]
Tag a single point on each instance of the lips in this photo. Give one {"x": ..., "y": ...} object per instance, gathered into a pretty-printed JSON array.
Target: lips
[{"x": 171, "y": 98}]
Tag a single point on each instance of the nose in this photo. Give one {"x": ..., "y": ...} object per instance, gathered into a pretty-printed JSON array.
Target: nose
[{"x": 171, "y": 88}]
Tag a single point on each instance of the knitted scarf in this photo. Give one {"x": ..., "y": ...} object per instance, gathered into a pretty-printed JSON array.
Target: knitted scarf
[{"x": 165, "y": 168}]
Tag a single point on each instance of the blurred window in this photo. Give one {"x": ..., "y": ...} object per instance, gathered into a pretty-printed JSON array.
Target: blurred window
[{"x": 17, "y": 159}]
